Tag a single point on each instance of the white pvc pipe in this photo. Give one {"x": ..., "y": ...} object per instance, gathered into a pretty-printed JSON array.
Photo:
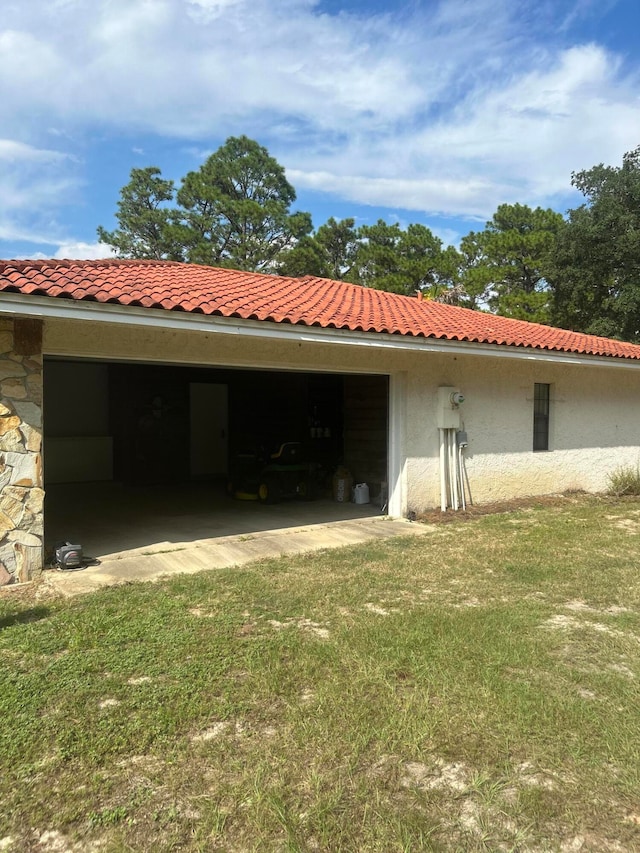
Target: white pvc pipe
[
  {"x": 454, "y": 467},
  {"x": 449, "y": 483},
  {"x": 443, "y": 472},
  {"x": 461, "y": 473}
]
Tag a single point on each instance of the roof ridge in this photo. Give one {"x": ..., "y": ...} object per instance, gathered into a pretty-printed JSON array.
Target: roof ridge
[{"x": 21, "y": 264}]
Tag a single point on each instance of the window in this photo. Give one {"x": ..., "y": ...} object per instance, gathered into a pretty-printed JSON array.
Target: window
[{"x": 541, "y": 416}]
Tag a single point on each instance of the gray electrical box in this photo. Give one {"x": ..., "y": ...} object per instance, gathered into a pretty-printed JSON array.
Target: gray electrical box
[{"x": 448, "y": 410}]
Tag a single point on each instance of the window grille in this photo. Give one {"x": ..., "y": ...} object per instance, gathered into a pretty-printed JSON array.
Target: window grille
[{"x": 541, "y": 416}]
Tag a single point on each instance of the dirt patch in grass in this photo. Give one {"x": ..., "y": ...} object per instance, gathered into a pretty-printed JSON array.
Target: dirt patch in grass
[{"x": 473, "y": 511}]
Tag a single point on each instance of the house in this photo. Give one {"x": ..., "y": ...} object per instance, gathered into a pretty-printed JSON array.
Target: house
[{"x": 155, "y": 372}]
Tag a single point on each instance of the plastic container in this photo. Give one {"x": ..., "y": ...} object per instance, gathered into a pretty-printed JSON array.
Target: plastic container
[
  {"x": 342, "y": 483},
  {"x": 361, "y": 493}
]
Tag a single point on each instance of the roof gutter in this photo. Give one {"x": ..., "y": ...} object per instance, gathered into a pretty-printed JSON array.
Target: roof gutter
[{"x": 46, "y": 307}]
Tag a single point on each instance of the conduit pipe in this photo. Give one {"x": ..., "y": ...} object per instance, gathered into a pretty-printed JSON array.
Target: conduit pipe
[
  {"x": 452, "y": 485},
  {"x": 443, "y": 470},
  {"x": 461, "y": 475},
  {"x": 453, "y": 471}
]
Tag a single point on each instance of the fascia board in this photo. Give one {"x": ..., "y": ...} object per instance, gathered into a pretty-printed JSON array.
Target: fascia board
[{"x": 16, "y": 304}]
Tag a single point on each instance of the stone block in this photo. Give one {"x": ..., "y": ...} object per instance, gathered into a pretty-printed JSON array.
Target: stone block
[
  {"x": 11, "y": 507},
  {"x": 10, "y": 369},
  {"x": 26, "y": 468},
  {"x": 34, "y": 387},
  {"x": 5, "y": 476},
  {"x": 17, "y": 493},
  {"x": 32, "y": 523},
  {"x": 35, "y": 500},
  {"x": 5, "y": 575},
  {"x": 6, "y": 524},
  {"x": 33, "y": 363},
  {"x": 8, "y": 422},
  {"x": 6, "y": 409},
  {"x": 14, "y": 389},
  {"x": 21, "y": 537},
  {"x": 32, "y": 438},
  {"x": 29, "y": 413},
  {"x": 8, "y": 556},
  {"x": 13, "y": 441},
  {"x": 29, "y": 560}
]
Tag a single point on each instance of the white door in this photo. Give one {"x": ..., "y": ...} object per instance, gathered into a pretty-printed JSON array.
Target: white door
[{"x": 209, "y": 429}]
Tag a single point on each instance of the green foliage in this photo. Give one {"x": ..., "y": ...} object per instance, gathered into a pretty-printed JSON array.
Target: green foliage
[
  {"x": 329, "y": 253},
  {"x": 530, "y": 264},
  {"x": 624, "y": 480},
  {"x": 381, "y": 256},
  {"x": 506, "y": 265},
  {"x": 402, "y": 261},
  {"x": 143, "y": 217},
  {"x": 234, "y": 211},
  {"x": 339, "y": 241},
  {"x": 305, "y": 258},
  {"x": 597, "y": 258}
]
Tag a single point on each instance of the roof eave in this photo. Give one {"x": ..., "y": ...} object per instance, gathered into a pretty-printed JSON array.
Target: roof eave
[{"x": 43, "y": 307}]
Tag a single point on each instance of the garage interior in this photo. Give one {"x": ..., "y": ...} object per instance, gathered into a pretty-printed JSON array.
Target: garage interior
[{"x": 140, "y": 456}]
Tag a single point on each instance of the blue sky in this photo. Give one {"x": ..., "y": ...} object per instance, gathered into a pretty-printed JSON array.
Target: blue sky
[{"x": 417, "y": 111}]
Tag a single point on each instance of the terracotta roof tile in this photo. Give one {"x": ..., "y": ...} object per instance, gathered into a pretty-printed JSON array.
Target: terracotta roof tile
[{"x": 171, "y": 286}]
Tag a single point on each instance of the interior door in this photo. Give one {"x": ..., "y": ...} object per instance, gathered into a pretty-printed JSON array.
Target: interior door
[{"x": 209, "y": 429}]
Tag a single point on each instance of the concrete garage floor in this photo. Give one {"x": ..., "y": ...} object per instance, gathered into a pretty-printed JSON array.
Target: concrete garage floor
[{"x": 142, "y": 533}]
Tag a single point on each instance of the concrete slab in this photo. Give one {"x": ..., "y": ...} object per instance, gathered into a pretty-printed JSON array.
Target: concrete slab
[
  {"x": 145, "y": 533},
  {"x": 227, "y": 551}
]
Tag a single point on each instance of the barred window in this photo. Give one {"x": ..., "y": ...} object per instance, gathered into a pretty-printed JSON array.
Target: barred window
[{"x": 541, "y": 416}]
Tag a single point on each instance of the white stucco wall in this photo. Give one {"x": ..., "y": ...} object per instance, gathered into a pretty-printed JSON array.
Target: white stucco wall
[
  {"x": 594, "y": 421},
  {"x": 594, "y": 427}
]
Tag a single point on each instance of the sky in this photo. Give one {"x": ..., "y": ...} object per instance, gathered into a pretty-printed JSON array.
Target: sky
[{"x": 402, "y": 110}]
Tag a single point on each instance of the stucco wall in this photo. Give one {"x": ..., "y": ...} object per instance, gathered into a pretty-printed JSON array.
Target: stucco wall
[
  {"x": 594, "y": 427},
  {"x": 594, "y": 423}
]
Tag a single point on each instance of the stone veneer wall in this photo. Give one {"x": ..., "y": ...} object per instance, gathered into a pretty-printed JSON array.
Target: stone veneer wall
[{"x": 21, "y": 492}]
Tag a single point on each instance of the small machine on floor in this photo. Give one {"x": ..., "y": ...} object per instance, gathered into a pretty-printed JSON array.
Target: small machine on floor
[{"x": 282, "y": 475}]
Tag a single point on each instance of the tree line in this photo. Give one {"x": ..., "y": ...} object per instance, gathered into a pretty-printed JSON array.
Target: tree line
[{"x": 580, "y": 271}]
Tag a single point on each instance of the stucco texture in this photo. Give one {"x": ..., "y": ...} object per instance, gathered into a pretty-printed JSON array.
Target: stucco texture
[{"x": 593, "y": 409}]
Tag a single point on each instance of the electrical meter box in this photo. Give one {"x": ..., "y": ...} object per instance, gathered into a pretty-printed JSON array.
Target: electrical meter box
[{"x": 448, "y": 407}]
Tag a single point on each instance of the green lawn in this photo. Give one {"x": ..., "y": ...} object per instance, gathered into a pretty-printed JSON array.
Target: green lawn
[{"x": 476, "y": 688}]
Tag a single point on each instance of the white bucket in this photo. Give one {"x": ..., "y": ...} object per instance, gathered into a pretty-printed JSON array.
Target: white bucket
[{"x": 361, "y": 493}]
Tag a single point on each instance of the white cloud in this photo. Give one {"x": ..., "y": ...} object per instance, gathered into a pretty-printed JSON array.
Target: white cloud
[
  {"x": 34, "y": 184},
  {"x": 160, "y": 66},
  {"x": 451, "y": 107},
  {"x": 85, "y": 251},
  {"x": 12, "y": 151},
  {"x": 519, "y": 141},
  {"x": 31, "y": 177},
  {"x": 66, "y": 251}
]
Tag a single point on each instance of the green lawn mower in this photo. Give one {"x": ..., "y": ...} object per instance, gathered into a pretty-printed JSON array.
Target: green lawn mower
[{"x": 283, "y": 475}]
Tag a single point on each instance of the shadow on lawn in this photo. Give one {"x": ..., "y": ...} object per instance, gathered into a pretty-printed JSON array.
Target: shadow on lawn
[{"x": 25, "y": 616}]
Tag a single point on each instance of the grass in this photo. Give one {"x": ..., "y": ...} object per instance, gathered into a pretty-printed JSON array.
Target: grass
[
  {"x": 474, "y": 689},
  {"x": 624, "y": 480}
]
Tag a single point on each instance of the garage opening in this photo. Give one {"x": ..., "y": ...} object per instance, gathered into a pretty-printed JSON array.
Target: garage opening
[{"x": 141, "y": 455}]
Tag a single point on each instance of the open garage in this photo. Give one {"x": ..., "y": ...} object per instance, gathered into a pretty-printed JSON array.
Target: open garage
[
  {"x": 144, "y": 456},
  {"x": 165, "y": 381}
]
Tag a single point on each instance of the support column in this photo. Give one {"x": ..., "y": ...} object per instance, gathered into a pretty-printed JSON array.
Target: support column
[{"x": 21, "y": 484}]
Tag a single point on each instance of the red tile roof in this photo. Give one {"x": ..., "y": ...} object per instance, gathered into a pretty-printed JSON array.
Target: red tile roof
[{"x": 306, "y": 301}]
